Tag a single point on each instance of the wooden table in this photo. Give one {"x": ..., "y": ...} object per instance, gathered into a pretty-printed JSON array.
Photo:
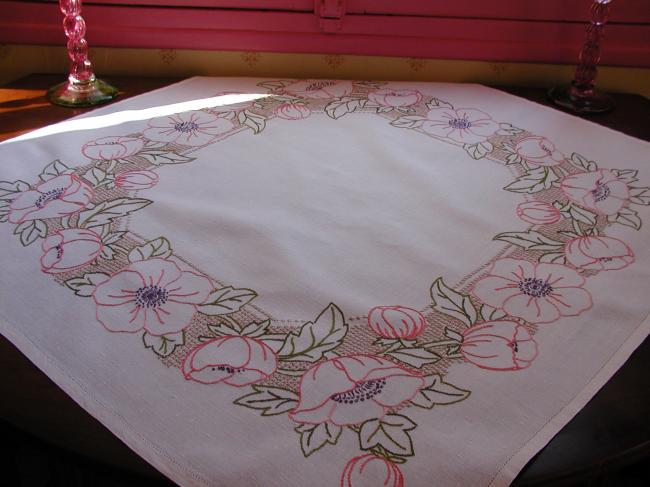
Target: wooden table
[{"x": 611, "y": 431}]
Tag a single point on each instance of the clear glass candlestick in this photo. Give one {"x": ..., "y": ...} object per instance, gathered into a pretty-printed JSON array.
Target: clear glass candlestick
[
  {"x": 82, "y": 88},
  {"x": 581, "y": 96}
]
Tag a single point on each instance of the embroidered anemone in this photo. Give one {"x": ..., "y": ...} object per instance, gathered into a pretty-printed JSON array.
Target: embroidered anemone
[
  {"x": 60, "y": 196},
  {"x": 353, "y": 389},
  {"x": 538, "y": 293},
  {"x": 188, "y": 128},
  {"x": 154, "y": 295},
  {"x": 465, "y": 125},
  {"x": 600, "y": 191},
  {"x": 234, "y": 360}
]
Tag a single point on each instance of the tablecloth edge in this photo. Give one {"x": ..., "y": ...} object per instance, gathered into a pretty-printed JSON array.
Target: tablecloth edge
[
  {"x": 509, "y": 471},
  {"x": 74, "y": 388}
]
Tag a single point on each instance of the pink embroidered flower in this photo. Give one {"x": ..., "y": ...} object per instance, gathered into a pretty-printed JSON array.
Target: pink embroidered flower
[
  {"x": 395, "y": 98},
  {"x": 70, "y": 249},
  {"x": 188, "y": 128},
  {"x": 292, "y": 111},
  {"x": 353, "y": 389},
  {"x": 499, "y": 345},
  {"x": 134, "y": 180},
  {"x": 234, "y": 360},
  {"x": 396, "y": 322},
  {"x": 371, "y": 471},
  {"x": 60, "y": 196},
  {"x": 598, "y": 190},
  {"x": 538, "y": 213},
  {"x": 111, "y": 148},
  {"x": 320, "y": 89},
  {"x": 598, "y": 253},
  {"x": 465, "y": 125},
  {"x": 539, "y": 150},
  {"x": 538, "y": 293},
  {"x": 154, "y": 295}
]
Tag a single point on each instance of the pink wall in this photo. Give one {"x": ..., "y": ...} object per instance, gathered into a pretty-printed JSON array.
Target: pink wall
[{"x": 499, "y": 30}]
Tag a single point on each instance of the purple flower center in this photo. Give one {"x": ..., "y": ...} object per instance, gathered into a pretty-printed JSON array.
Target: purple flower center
[
  {"x": 59, "y": 251},
  {"x": 226, "y": 368},
  {"x": 186, "y": 127},
  {"x": 363, "y": 391},
  {"x": 546, "y": 149},
  {"x": 51, "y": 195},
  {"x": 535, "y": 288},
  {"x": 600, "y": 193},
  {"x": 319, "y": 85},
  {"x": 151, "y": 297},
  {"x": 460, "y": 123}
]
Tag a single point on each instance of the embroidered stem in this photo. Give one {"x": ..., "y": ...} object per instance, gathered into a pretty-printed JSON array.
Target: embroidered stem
[{"x": 442, "y": 343}]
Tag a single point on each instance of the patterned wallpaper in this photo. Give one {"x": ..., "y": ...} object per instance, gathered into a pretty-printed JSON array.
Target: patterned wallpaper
[{"x": 20, "y": 60}]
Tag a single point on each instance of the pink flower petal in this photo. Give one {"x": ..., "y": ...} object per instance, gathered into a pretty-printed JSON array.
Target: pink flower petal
[
  {"x": 398, "y": 389},
  {"x": 119, "y": 289},
  {"x": 533, "y": 310},
  {"x": 189, "y": 287},
  {"x": 570, "y": 301},
  {"x": 316, "y": 415},
  {"x": 208, "y": 375},
  {"x": 126, "y": 317},
  {"x": 157, "y": 272},
  {"x": 345, "y": 414},
  {"x": 495, "y": 291},
  {"x": 245, "y": 377},
  {"x": 168, "y": 318},
  {"x": 320, "y": 382},
  {"x": 558, "y": 275},
  {"x": 513, "y": 269}
]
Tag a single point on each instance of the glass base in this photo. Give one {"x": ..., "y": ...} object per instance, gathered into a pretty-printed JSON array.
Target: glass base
[
  {"x": 82, "y": 94},
  {"x": 581, "y": 100}
]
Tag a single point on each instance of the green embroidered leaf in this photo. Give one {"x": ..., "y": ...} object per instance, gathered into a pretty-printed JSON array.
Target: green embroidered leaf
[
  {"x": 315, "y": 338},
  {"x": 530, "y": 240},
  {"x": 582, "y": 215},
  {"x": 513, "y": 158},
  {"x": 11, "y": 188},
  {"x": 108, "y": 252},
  {"x": 508, "y": 129},
  {"x": 269, "y": 400},
  {"x": 5, "y": 208},
  {"x": 159, "y": 247},
  {"x": 85, "y": 286},
  {"x": 163, "y": 345},
  {"x": 95, "y": 176},
  {"x": 313, "y": 437},
  {"x": 454, "y": 335},
  {"x": 415, "y": 357},
  {"x": 106, "y": 211},
  {"x": 275, "y": 341},
  {"x": 112, "y": 237},
  {"x": 437, "y": 102},
  {"x": 553, "y": 258},
  {"x": 256, "y": 329},
  {"x": 582, "y": 162},
  {"x": 488, "y": 313},
  {"x": 54, "y": 169},
  {"x": 408, "y": 122},
  {"x": 252, "y": 120},
  {"x": 533, "y": 181},
  {"x": 158, "y": 157},
  {"x": 628, "y": 176},
  {"x": 337, "y": 108},
  {"x": 227, "y": 300},
  {"x": 627, "y": 217},
  {"x": 390, "y": 433},
  {"x": 452, "y": 303},
  {"x": 437, "y": 392},
  {"x": 478, "y": 151},
  {"x": 274, "y": 85},
  {"x": 640, "y": 196},
  {"x": 30, "y": 231},
  {"x": 223, "y": 329},
  {"x": 383, "y": 109}
]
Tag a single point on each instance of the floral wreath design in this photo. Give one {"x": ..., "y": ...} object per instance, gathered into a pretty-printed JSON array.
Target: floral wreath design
[{"x": 317, "y": 374}]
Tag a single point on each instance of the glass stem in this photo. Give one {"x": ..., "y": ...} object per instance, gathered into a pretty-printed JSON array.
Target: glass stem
[{"x": 590, "y": 53}]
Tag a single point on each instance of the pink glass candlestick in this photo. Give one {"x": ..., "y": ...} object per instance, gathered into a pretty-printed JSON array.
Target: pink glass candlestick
[
  {"x": 82, "y": 87},
  {"x": 581, "y": 96}
]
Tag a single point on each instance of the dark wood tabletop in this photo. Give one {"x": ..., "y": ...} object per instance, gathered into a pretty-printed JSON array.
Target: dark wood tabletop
[{"x": 611, "y": 431}]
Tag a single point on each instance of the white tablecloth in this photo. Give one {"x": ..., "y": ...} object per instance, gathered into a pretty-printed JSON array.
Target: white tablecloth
[{"x": 289, "y": 283}]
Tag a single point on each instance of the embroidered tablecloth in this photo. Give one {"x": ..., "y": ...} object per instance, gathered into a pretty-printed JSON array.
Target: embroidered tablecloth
[{"x": 327, "y": 283}]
